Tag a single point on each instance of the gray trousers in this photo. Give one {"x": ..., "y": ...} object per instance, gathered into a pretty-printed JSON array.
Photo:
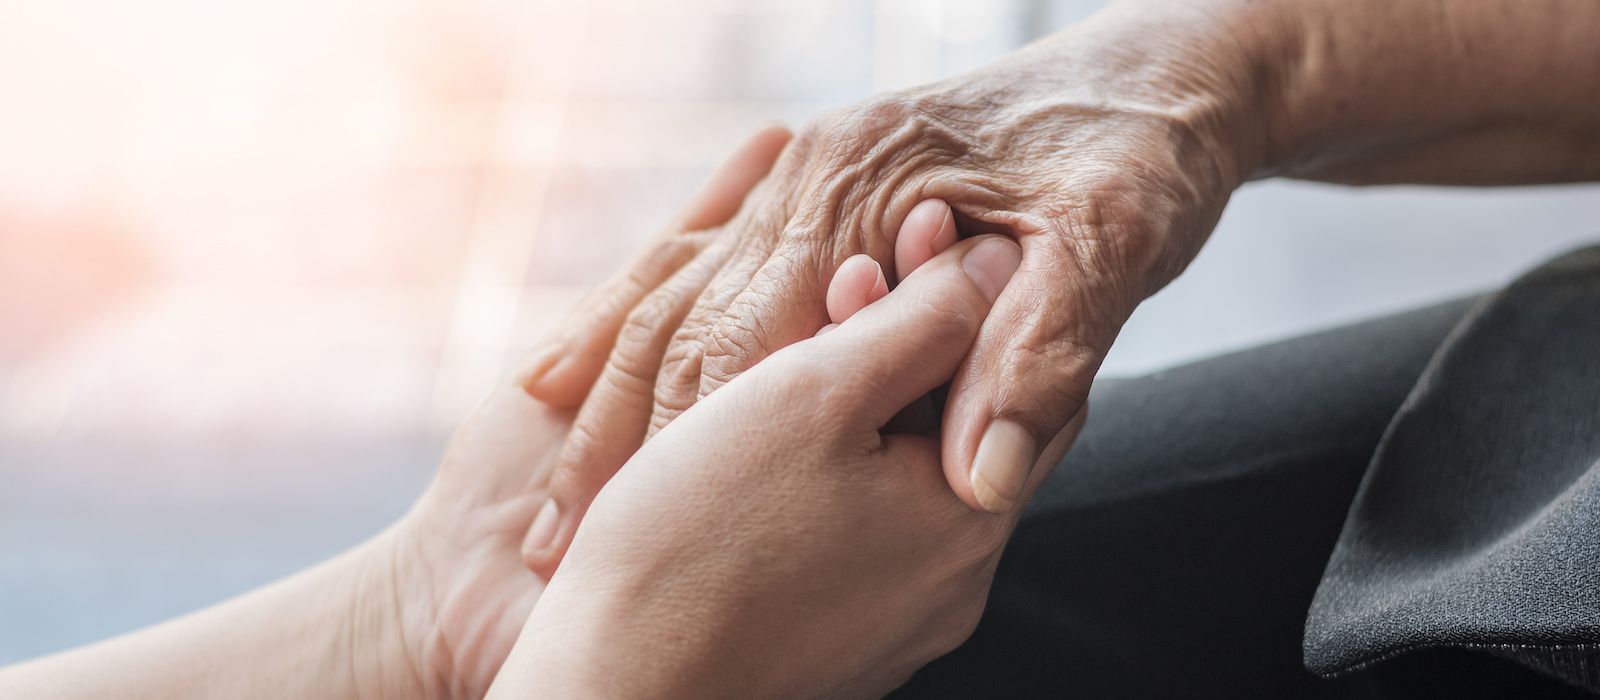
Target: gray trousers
[{"x": 1408, "y": 507}]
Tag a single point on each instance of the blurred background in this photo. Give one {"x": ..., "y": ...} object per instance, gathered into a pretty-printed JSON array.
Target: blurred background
[{"x": 257, "y": 258}]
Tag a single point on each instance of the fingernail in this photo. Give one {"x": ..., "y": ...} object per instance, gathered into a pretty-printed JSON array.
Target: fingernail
[
  {"x": 841, "y": 307},
  {"x": 543, "y": 530},
  {"x": 1005, "y": 456},
  {"x": 991, "y": 263},
  {"x": 928, "y": 214}
]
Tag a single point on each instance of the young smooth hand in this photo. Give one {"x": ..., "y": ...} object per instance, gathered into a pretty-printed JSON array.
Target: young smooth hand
[
  {"x": 465, "y": 536},
  {"x": 776, "y": 540},
  {"x": 430, "y": 607}
]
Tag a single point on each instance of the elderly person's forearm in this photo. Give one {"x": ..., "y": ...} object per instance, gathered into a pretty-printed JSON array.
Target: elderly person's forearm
[
  {"x": 1109, "y": 151},
  {"x": 1443, "y": 91}
]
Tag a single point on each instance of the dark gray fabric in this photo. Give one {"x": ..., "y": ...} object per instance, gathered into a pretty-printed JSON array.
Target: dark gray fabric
[
  {"x": 1478, "y": 524},
  {"x": 1178, "y": 548}
]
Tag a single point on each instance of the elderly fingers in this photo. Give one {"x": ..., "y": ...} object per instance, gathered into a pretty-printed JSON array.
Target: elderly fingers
[
  {"x": 1027, "y": 377},
  {"x": 563, "y": 370},
  {"x": 613, "y": 421},
  {"x": 900, "y": 349}
]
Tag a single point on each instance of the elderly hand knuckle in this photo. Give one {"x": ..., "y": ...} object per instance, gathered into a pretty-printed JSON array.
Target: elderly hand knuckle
[
  {"x": 677, "y": 386},
  {"x": 570, "y": 476},
  {"x": 882, "y": 113},
  {"x": 1046, "y": 344},
  {"x": 636, "y": 359},
  {"x": 660, "y": 419},
  {"x": 627, "y": 376},
  {"x": 1046, "y": 383},
  {"x": 648, "y": 320},
  {"x": 680, "y": 366},
  {"x": 1114, "y": 234},
  {"x": 733, "y": 338},
  {"x": 1051, "y": 344}
]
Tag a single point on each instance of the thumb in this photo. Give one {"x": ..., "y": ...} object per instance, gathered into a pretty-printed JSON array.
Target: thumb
[
  {"x": 913, "y": 340},
  {"x": 1027, "y": 379}
]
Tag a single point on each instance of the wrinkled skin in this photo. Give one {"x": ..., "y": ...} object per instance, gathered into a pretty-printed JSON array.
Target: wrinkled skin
[
  {"x": 814, "y": 555},
  {"x": 1102, "y": 159},
  {"x": 1106, "y": 151}
]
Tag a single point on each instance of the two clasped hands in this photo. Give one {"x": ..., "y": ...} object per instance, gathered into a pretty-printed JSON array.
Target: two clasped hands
[
  {"x": 725, "y": 476},
  {"x": 793, "y": 533}
]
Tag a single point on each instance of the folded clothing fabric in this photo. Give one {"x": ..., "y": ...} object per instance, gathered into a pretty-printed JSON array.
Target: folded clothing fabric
[
  {"x": 1478, "y": 522},
  {"x": 1406, "y": 507}
]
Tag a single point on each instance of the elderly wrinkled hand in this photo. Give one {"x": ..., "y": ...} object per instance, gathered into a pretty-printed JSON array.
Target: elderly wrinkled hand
[
  {"x": 814, "y": 523},
  {"x": 1107, "y": 163}
]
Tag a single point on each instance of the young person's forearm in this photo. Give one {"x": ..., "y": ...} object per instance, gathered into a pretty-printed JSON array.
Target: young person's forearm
[
  {"x": 330, "y": 631},
  {"x": 1444, "y": 91}
]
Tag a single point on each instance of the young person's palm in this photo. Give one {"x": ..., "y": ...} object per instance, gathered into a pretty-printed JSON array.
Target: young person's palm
[{"x": 463, "y": 589}]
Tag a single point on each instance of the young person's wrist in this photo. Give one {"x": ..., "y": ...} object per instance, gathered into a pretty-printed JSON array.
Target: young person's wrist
[
  {"x": 387, "y": 626},
  {"x": 560, "y": 649},
  {"x": 585, "y": 641}
]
